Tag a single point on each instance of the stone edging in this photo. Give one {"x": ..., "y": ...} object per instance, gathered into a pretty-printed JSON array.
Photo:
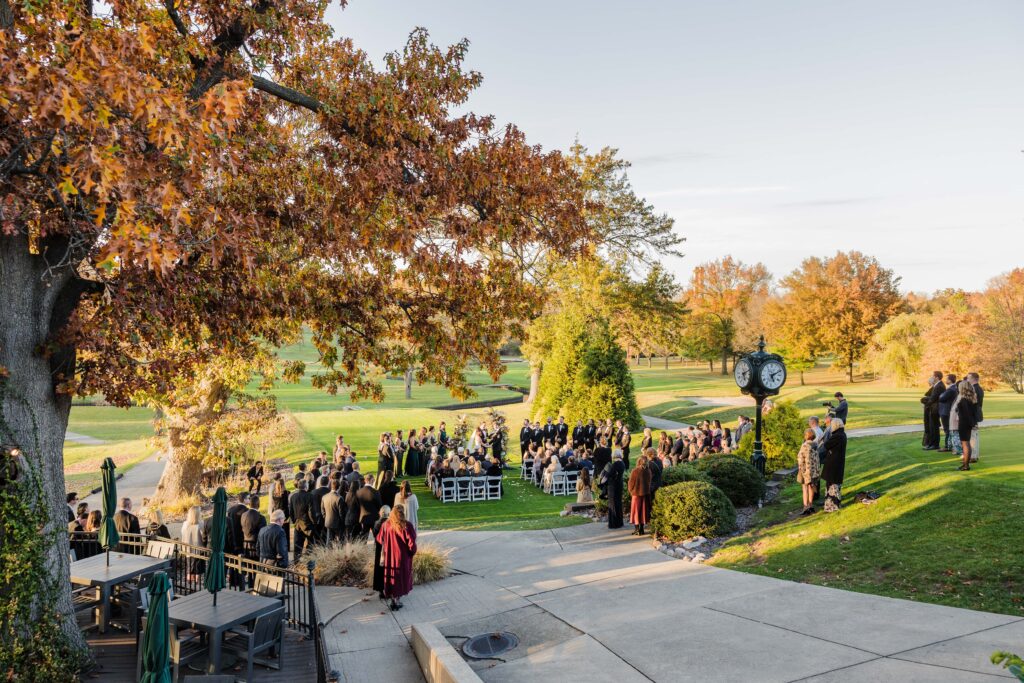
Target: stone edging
[{"x": 439, "y": 661}]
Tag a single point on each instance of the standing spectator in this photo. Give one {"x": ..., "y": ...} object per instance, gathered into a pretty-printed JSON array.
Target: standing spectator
[
  {"x": 834, "y": 466},
  {"x": 156, "y": 527},
  {"x": 967, "y": 420},
  {"x": 399, "y": 448},
  {"x": 611, "y": 487},
  {"x": 946, "y": 399},
  {"x": 369, "y": 506},
  {"x": 272, "y": 541},
  {"x": 407, "y": 499},
  {"x": 808, "y": 470},
  {"x": 303, "y": 519},
  {"x": 72, "y": 499},
  {"x": 233, "y": 543},
  {"x": 352, "y": 510},
  {"x": 842, "y": 410},
  {"x": 332, "y": 511},
  {"x": 126, "y": 523},
  {"x": 815, "y": 426},
  {"x": 931, "y": 411},
  {"x": 339, "y": 448},
  {"x": 378, "y": 549},
  {"x": 398, "y": 546},
  {"x": 318, "y": 494},
  {"x": 655, "y": 466},
  {"x": 279, "y": 501},
  {"x": 255, "y": 477},
  {"x": 603, "y": 456},
  {"x": 252, "y": 522},
  {"x": 979, "y": 393},
  {"x": 388, "y": 489},
  {"x": 192, "y": 535},
  {"x": 640, "y": 492}
]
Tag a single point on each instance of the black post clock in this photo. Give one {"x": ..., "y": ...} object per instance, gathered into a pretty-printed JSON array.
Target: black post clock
[{"x": 760, "y": 375}]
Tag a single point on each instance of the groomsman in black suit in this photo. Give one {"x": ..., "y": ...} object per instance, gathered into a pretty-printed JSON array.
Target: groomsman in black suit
[
  {"x": 550, "y": 431},
  {"x": 590, "y": 435},
  {"x": 537, "y": 437},
  {"x": 561, "y": 432},
  {"x": 578, "y": 434},
  {"x": 525, "y": 434}
]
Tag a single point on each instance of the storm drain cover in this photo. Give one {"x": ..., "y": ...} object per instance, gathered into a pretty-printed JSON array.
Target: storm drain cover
[{"x": 487, "y": 645}]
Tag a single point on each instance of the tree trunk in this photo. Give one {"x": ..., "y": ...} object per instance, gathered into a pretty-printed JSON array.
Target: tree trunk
[
  {"x": 184, "y": 472},
  {"x": 711, "y": 363},
  {"x": 666, "y": 361},
  {"x": 650, "y": 360},
  {"x": 725, "y": 361},
  {"x": 408, "y": 383},
  {"x": 534, "y": 382},
  {"x": 802, "y": 383},
  {"x": 36, "y": 304}
]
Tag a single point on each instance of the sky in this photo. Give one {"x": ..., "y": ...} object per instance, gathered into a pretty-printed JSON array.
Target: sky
[{"x": 769, "y": 130}]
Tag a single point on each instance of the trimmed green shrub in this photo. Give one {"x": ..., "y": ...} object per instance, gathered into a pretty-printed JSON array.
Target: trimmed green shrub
[
  {"x": 677, "y": 474},
  {"x": 692, "y": 508},
  {"x": 782, "y": 432},
  {"x": 735, "y": 476}
]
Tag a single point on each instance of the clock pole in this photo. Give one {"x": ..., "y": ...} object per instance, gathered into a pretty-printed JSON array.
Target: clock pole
[{"x": 757, "y": 458}]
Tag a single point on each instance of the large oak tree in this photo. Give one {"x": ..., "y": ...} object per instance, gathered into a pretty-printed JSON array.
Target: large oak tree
[{"x": 186, "y": 180}]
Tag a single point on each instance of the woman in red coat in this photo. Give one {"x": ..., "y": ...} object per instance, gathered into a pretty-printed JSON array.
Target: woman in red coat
[
  {"x": 640, "y": 493},
  {"x": 398, "y": 544}
]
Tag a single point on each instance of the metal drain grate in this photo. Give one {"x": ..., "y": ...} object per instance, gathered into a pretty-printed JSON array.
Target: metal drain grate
[{"x": 487, "y": 645}]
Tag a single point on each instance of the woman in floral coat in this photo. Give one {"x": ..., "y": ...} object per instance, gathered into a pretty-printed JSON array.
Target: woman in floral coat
[{"x": 808, "y": 470}]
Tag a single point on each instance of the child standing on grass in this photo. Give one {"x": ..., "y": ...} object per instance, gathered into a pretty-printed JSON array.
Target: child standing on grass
[{"x": 808, "y": 470}]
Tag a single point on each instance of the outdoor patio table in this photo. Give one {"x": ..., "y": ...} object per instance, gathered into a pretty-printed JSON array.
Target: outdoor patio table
[
  {"x": 233, "y": 608},
  {"x": 93, "y": 571}
]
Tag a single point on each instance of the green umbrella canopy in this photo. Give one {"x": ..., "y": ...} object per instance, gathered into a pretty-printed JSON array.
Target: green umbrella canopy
[
  {"x": 156, "y": 660},
  {"x": 108, "y": 537},
  {"x": 214, "y": 579}
]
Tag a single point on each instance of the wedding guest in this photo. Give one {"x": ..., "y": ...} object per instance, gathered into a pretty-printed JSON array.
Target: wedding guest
[
  {"x": 94, "y": 521},
  {"x": 808, "y": 470},
  {"x": 967, "y": 420},
  {"x": 192, "y": 535},
  {"x": 611, "y": 486},
  {"x": 834, "y": 466},
  {"x": 655, "y": 467},
  {"x": 156, "y": 527},
  {"x": 727, "y": 444},
  {"x": 126, "y": 523},
  {"x": 408, "y": 500},
  {"x": 979, "y": 416},
  {"x": 623, "y": 438},
  {"x": 640, "y": 492},
  {"x": 321, "y": 490},
  {"x": 378, "y": 567},
  {"x": 272, "y": 542},
  {"x": 369, "y": 506},
  {"x": 946, "y": 399},
  {"x": 255, "y": 477},
  {"x": 388, "y": 489},
  {"x": 252, "y": 522},
  {"x": 584, "y": 492},
  {"x": 279, "y": 501},
  {"x": 332, "y": 509},
  {"x": 398, "y": 546},
  {"x": 603, "y": 456},
  {"x": 303, "y": 518},
  {"x": 72, "y": 500}
]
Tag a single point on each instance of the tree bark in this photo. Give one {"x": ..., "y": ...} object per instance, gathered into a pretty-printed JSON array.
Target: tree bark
[
  {"x": 408, "y": 383},
  {"x": 650, "y": 360},
  {"x": 711, "y": 364},
  {"x": 534, "y": 382},
  {"x": 666, "y": 361},
  {"x": 802, "y": 383},
  {"x": 36, "y": 303},
  {"x": 725, "y": 361}
]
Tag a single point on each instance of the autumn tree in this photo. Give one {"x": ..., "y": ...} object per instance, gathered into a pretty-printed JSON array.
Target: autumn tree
[
  {"x": 897, "y": 348},
  {"x": 720, "y": 295},
  {"x": 1002, "y": 336},
  {"x": 625, "y": 228},
  {"x": 179, "y": 179}
]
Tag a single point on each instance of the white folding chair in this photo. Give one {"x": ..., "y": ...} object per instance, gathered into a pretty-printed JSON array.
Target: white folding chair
[
  {"x": 558, "y": 484},
  {"x": 526, "y": 470},
  {"x": 479, "y": 488},
  {"x": 494, "y": 488},
  {"x": 464, "y": 486},
  {"x": 570, "y": 482},
  {"x": 448, "y": 491}
]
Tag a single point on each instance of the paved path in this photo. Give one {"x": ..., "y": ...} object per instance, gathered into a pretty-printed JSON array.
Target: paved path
[
  {"x": 589, "y": 604},
  {"x": 659, "y": 423},
  {"x": 83, "y": 439},
  {"x": 137, "y": 483}
]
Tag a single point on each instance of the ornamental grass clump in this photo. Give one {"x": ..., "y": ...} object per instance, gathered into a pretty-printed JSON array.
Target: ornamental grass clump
[
  {"x": 692, "y": 508},
  {"x": 431, "y": 563},
  {"x": 340, "y": 564},
  {"x": 737, "y": 478}
]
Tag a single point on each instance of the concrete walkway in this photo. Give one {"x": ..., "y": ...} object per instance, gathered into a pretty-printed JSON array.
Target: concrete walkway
[
  {"x": 137, "y": 483},
  {"x": 83, "y": 439},
  {"x": 589, "y": 604}
]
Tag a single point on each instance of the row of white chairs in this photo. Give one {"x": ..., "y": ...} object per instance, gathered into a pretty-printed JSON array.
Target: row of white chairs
[
  {"x": 465, "y": 489},
  {"x": 559, "y": 484}
]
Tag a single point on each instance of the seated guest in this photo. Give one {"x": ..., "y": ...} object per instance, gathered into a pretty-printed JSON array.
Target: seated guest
[
  {"x": 571, "y": 465},
  {"x": 493, "y": 469},
  {"x": 538, "y": 466},
  {"x": 586, "y": 463},
  {"x": 554, "y": 465},
  {"x": 478, "y": 470}
]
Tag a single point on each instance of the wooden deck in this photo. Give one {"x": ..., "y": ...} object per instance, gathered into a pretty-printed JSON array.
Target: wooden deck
[{"x": 115, "y": 656}]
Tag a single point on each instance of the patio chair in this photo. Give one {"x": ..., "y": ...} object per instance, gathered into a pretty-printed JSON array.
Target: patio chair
[
  {"x": 494, "y": 488},
  {"x": 448, "y": 491},
  {"x": 86, "y": 598},
  {"x": 269, "y": 586},
  {"x": 478, "y": 489},
  {"x": 162, "y": 550},
  {"x": 266, "y": 634},
  {"x": 182, "y": 649}
]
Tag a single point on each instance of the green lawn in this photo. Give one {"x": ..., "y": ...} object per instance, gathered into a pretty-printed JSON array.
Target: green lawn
[{"x": 935, "y": 535}]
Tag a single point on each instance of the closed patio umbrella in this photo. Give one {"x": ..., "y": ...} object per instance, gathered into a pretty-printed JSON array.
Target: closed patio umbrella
[
  {"x": 108, "y": 537},
  {"x": 156, "y": 661},
  {"x": 214, "y": 579}
]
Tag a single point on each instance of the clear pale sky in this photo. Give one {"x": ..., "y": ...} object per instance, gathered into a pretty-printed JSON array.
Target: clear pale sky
[{"x": 770, "y": 130}]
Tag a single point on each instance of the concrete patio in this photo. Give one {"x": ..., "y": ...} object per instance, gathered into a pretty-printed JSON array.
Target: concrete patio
[{"x": 590, "y": 604}]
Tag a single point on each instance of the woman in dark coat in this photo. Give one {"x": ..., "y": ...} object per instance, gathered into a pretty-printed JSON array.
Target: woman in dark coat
[
  {"x": 834, "y": 465},
  {"x": 640, "y": 495},
  {"x": 967, "y": 420},
  {"x": 611, "y": 484},
  {"x": 602, "y": 457},
  {"x": 378, "y": 568},
  {"x": 388, "y": 488},
  {"x": 398, "y": 545}
]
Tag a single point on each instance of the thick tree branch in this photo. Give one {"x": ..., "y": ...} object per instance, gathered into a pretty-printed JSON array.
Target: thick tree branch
[
  {"x": 6, "y": 15},
  {"x": 285, "y": 93},
  {"x": 172, "y": 12}
]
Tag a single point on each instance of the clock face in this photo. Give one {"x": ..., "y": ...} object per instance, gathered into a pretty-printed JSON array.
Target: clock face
[
  {"x": 773, "y": 375},
  {"x": 743, "y": 374}
]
